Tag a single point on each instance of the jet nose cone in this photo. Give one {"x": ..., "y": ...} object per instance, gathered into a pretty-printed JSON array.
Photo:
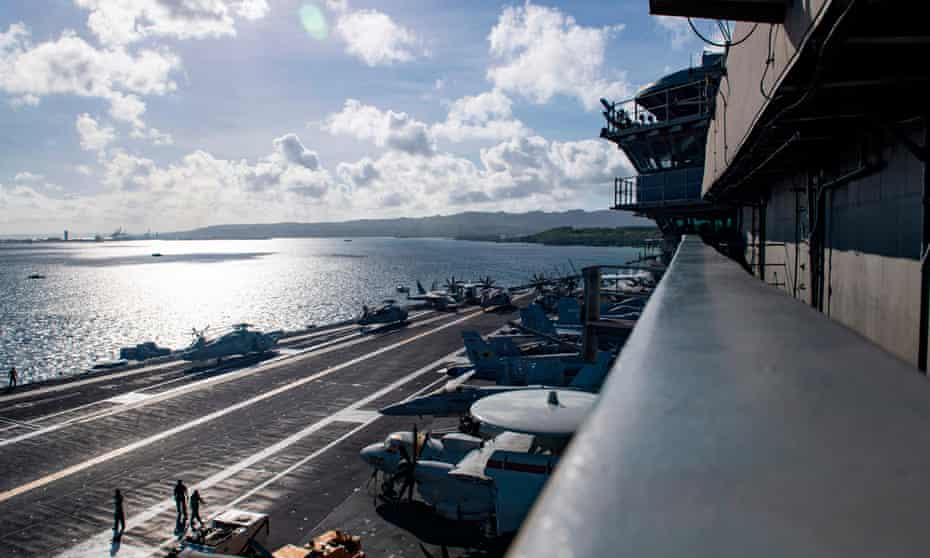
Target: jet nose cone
[{"x": 396, "y": 409}]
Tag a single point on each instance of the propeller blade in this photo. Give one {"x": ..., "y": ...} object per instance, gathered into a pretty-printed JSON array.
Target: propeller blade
[
  {"x": 405, "y": 455},
  {"x": 416, "y": 457}
]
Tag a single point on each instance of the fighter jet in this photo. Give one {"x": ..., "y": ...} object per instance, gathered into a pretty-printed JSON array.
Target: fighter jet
[
  {"x": 501, "y": 360},
  {"x": 497, "y": 480},
  {"x": 387, "y": 313},
  {"x": 240, "y": 341},
  {"x": 456, "y": 397}
]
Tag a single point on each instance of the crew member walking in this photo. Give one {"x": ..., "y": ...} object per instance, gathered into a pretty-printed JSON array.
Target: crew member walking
[
  {"x": 180, "y": 501},
  {"x": 119, "y": 516},
  {"x": 13, "y": 379},
  {"x": 196, "y": 500}
]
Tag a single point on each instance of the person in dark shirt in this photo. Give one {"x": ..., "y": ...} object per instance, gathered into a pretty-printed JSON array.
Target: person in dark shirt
[
  {"x": 14, "y": 379},
  {"x": 119, "y": 516},
  {"x": 180, "y": 501},
  {"x": 196, "y": 500}
]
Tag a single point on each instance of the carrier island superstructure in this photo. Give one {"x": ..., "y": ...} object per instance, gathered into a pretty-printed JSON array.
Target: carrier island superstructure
[{"x": 772, "y": 399}]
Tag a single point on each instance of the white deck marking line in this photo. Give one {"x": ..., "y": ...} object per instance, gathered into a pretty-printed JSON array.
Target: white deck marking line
[
  {"x": 125, "y": 373},
  {"x": 102, "y": 458},
  {"x": 92, "y": 546},
  {"x": 92, "y": 380},
  {"x": 360, "y": 416},
  {"x": 16, "y": 423},
  {"x": 128, "y": 398},
  {"x": 322, "y": 348},
  {"x": 264, "y": 484}
]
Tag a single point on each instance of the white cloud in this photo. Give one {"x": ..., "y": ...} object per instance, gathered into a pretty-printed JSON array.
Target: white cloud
[
  {"x": 487, "y": 116},
  {"x": 360, "y": 174},
  {"x": 533, "y": 166},
  {"x": 153, "y": 135},
  {"x": 93, "y": 136},
  {"x": 338, "y": 6},
  {"x": 677, "y": 29},
  {"x": 84, "y": 169},
  {"x": 375, "y": 38},
  {"x": 120, "y": 22},
  {"x": 290, "y": 168},
  {"x": 291, "y": 183},
  {"x": 26, "y": 177},
  {"x": 28, "y": 184},
  {"x": 393, "y": 130},
  {"x": 511, "y": 175},
  {"x": 70, "y": 65},
  {"x": 542, "y": 52},
  {"x": 291, "y": 150}
]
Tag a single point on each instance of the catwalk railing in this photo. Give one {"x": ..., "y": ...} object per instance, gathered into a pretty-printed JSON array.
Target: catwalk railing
[
  {"x": 665, "y": 188},
  {"x": 738, "y": 421}
]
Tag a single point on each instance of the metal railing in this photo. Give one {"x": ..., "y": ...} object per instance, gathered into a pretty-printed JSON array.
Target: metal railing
[
  {"x": 674, "y": 103},
  {"x": 670, "y": 187},
  {"x": 738, "y": 422}
]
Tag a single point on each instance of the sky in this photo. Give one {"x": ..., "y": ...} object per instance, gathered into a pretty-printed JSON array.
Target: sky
[{"x": 167, "y": 115}]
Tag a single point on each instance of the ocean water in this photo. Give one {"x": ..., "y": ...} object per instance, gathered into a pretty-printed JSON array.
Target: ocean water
[{"x": 98, "y": 297}]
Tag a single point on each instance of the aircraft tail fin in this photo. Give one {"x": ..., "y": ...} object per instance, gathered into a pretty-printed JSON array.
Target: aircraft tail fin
[
  {"x": 420, "y": 289},
  {"x": 504, "y": 346},
  {"x": 477, "y": 348},
  {"x": 592, "y": 376},
  {"x": 534, "y": 317},
  {"x": 569, "y": 311}
]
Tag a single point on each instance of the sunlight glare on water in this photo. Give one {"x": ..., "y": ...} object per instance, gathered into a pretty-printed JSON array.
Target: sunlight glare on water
[{"x": 97, "y": 298}]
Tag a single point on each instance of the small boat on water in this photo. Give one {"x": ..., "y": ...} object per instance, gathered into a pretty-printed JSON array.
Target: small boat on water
[
  {"x": 36, "y": 276},
  {"x": 156, "y": 255}
]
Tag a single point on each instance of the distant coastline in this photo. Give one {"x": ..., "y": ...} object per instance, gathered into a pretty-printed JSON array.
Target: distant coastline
[
  {"x": 571, "y": 236},
  {"x": 472, "y": 224}
]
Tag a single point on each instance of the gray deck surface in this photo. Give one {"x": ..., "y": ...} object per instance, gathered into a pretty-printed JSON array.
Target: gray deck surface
[
  {"x": 280, "y": 436},
  {"x": 740, "y": 422}
]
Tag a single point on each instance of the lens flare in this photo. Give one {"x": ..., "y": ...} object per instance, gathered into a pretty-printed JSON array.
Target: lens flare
[{"x": 314, "y": 21}]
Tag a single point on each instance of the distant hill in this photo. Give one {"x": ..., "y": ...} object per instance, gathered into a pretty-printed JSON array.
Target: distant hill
[
  {"x": 570, "y": 236},
  {"x": 460, "y": 225}
]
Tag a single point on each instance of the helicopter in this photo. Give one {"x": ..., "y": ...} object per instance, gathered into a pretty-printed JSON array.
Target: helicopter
[{"x": 239, "y": 341}]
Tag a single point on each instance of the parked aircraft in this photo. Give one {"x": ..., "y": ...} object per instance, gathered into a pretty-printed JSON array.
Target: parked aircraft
[
  {"x": 440, "y": 300},
  {"x": 387, "y": 313},
  {"x": 496, "y": 480},
  {"x": 240, "y": 341},
  {"x": 456, "y": 397},
  {"x": 493, "y": 297}
]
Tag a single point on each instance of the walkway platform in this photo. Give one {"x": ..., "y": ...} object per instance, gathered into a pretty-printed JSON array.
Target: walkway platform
[{"x": 740, "y": 422}]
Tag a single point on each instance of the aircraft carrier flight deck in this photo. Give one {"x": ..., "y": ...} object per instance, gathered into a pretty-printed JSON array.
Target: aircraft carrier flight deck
[{"x": 278, "y": 435}]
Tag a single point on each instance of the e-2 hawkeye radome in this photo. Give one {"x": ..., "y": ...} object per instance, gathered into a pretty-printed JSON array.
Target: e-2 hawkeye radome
[{"x": 463, "y": 477}]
